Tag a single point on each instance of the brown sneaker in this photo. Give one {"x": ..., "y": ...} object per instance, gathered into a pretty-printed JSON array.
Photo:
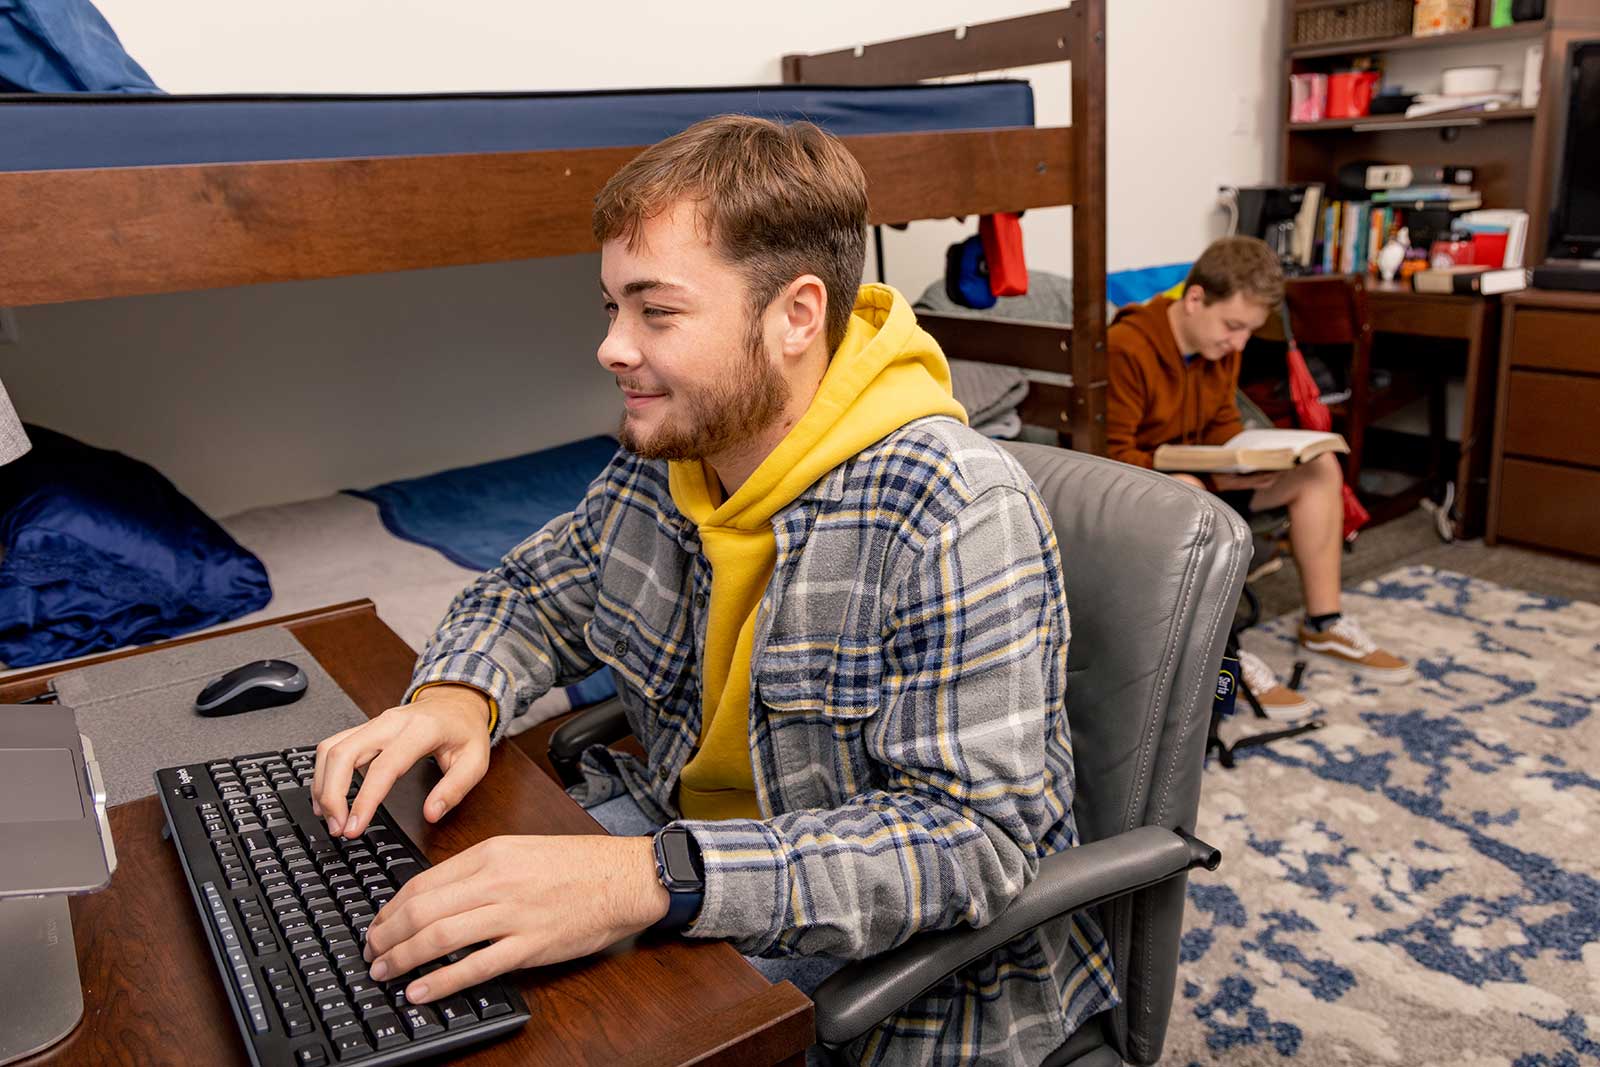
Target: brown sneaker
[
  {"x": 1346, "y": 640},
  {"x": 1281, "y": 703}
]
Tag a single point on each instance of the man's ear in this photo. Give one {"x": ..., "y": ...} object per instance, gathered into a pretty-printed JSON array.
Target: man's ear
[
  {"x": 804, "y": 305},
  {"x": 1194, "y": 298}
]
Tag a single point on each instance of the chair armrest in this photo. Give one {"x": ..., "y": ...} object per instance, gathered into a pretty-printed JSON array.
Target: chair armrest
[
  {"x": 598, "y": 725},
  {"x": 861, "y": 995}
]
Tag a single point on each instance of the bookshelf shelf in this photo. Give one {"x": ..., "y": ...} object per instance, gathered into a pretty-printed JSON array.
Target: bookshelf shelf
[
  {"x": 1441, "y": 120},
  {"x": 1482, "y": 35}
]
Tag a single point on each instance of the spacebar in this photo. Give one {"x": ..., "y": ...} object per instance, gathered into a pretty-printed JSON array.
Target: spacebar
[{"x": 234, "y": 958}]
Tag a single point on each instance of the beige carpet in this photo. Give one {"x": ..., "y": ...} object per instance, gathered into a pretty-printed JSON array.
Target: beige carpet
[{"x": 1417, "y": 883}]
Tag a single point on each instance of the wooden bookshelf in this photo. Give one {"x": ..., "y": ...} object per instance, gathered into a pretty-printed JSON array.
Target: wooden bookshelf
[
  {"x": 1512, "y": 149},
  {"x": 1442, "y": 120},
  {"x": 1379, "y": 45}
]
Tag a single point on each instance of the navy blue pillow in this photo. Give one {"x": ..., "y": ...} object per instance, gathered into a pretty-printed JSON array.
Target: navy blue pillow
[
  {"x": 64, "y": 46},
  {"x": 102, "y": 551}
]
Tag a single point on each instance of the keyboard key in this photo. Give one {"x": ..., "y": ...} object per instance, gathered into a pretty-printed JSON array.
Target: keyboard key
[
  {"x": 489, "y": 1001},
  {"x": 298, "y": 1023},
  {"x": 403, "y": 870},
  {"x": 310, "y": 1056},
  {"x": 455, "y": 1012},
  {"x": 351, "y": 1044},
  {"x": 369, "y": 1000},
  {"x": 324, "y": 987},
  {"x": 335, "y": 1013},
  {"x": 386, "y": 1030},
  {"x": 420, "y": 1021}
]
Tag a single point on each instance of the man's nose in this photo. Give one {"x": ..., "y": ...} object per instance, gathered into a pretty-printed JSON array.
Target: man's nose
[{"x": 618, "y": 352}]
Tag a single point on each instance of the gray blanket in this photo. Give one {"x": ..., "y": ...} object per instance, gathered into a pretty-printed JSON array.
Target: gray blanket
[{"x": 991, "y": 392}]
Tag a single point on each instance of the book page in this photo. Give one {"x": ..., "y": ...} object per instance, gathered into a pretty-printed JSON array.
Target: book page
[{"x": 1290, "y": 439}]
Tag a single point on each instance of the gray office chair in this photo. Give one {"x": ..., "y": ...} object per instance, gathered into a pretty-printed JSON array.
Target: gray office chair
[{"x": 1153, "y": 572}]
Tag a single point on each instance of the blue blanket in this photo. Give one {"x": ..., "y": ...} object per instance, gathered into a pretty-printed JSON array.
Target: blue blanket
[{"x": 475, "y": 515}]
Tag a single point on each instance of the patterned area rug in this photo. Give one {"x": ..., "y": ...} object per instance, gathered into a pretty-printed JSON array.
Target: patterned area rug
[{"x": 1418, "y": 883}]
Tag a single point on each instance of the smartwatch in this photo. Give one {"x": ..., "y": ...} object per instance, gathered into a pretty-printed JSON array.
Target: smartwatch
[{"x": 683, "y": 875}]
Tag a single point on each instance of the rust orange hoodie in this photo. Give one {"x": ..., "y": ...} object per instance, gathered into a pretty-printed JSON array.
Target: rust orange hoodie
[{"x": 1154, "y": 397}]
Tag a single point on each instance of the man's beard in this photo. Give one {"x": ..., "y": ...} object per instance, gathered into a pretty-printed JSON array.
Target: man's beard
[{"x": 716, "y": 417}]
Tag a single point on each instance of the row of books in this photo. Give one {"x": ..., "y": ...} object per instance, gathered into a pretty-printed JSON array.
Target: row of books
[{"x": 1353, "y": 232}]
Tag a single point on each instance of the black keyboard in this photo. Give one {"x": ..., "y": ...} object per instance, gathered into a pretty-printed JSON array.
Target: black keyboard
[{"x": 285, "y": 907}]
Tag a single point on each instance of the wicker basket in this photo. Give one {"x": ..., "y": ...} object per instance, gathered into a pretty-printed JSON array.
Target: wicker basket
[{"x": 1357, "y": 20}]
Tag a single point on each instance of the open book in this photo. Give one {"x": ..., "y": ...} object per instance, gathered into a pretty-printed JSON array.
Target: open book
[{"x": 1253, "y": 450}]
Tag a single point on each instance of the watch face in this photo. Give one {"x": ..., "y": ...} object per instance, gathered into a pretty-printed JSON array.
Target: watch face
[{"x": 675, "y": 851}]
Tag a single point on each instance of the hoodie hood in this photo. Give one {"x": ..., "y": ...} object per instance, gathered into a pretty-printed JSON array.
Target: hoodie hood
[{"x": 886, "y": 373}]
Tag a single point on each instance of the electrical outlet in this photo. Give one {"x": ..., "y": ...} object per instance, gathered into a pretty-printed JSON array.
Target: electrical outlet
[
  {"x": 1244, "y": 115},
  {"x": 8, "y": 327}
]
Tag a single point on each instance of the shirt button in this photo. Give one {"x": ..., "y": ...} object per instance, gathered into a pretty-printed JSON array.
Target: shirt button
[{"x": 621, "y": 647}]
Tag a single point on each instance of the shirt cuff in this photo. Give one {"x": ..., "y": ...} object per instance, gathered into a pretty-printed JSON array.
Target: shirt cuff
[
  {"x": 475, "y": 671},
  {"x": 747, "y": 883}
]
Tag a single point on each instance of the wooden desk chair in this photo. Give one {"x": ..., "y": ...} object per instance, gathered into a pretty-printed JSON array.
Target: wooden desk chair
[
  {"x": 1154, "y": 569},
  {"x": 1329, "y": 312}
]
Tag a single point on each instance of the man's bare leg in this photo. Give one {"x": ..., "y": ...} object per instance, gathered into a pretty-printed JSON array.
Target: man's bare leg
[{"x": 1313, "y": 493}]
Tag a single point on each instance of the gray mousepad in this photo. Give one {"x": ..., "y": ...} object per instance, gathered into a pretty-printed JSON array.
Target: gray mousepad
[{"x": 139, "y": 711}]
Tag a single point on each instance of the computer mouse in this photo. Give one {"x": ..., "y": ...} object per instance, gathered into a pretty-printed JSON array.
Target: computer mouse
[{"x": 266, "y": 683}]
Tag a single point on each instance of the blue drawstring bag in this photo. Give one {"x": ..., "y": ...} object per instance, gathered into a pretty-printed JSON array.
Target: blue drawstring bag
[
  {"x": 64, "y": 46},
  {"x": 966, "y": 275}
]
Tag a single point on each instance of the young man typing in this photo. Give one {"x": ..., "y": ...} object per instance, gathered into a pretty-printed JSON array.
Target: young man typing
[
  {"x": 1173, "y": 370},
  {"x": 834, "y": 613}
]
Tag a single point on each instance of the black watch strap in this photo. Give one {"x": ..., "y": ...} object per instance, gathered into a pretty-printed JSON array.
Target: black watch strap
[{"x": 682, "y": 873}]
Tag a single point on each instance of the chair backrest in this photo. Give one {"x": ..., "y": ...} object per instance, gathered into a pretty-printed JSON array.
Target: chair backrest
[
  {"x": 1330, "y": 310},
  {"x": 1153, "y": 572}
]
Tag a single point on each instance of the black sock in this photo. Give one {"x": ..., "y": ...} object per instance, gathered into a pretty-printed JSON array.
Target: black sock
[{"x": 1320, "y": 623}]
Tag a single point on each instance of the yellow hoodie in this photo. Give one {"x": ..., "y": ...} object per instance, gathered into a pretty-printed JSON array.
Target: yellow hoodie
[{"x": 887, "y": 372}]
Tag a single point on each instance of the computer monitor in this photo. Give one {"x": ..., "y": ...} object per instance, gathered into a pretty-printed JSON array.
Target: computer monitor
[
  {"x": 56, "y": 840},
  {"x": 1575, "y": 205}
]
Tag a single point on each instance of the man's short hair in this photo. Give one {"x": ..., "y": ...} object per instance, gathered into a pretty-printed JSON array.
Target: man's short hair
[
  {"x": 778, "y": 202},
  {"x": 1238, "y": 265}
]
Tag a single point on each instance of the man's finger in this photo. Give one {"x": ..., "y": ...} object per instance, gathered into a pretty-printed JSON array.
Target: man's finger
[
  {"x": 319, "y": 769},
  {"x": 388, "y": 765},
  {"x": 438, "y": 938},
  {"x": 486, "y": 963},
  {"x": 457, "y": 871},
  {"x": 400, "y": 919},
  {"x": 343, "y": 757},
  {"x": 463, "y": 772}
]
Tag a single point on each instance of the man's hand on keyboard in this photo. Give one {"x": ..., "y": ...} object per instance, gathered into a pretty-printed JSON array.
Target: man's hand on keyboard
[
  {"x": 447, "y": 722},
  {"x": 535, "y": 900}
]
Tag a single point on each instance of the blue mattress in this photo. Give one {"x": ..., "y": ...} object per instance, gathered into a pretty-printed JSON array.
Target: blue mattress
[{"x": 91, "y": 130}]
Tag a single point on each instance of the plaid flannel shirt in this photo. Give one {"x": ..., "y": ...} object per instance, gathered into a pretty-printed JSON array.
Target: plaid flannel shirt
[{"x": 908, "y": 730}]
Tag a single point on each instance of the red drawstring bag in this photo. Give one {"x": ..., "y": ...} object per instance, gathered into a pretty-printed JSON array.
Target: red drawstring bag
[
  {"x": 1002, "y": 247},
  {"x": 1312, "y": 414}
]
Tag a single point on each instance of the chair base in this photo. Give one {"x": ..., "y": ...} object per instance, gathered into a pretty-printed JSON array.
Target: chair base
[{"x": 1223, "y": 750}]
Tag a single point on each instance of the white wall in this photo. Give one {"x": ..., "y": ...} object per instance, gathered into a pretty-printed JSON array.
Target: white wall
[{"x": 281, "y": 392}]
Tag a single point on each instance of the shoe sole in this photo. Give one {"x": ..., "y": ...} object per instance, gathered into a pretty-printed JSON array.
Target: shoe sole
[{"x": 1382, "y": 675}]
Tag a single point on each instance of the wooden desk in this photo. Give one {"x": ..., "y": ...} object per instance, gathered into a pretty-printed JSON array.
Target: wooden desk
[
  {"x": 1396, "y": 311},
  {"x": 152, "y": 995},
  {"x": 1546, "y": 467},
  {"x": 1475, "y": 321}
]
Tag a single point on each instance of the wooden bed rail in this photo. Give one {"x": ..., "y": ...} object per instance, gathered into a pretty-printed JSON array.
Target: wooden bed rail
[
  {"x": 1025, "y": 41},
  {"x": 140, "y": 230},
  {"x": 1029, "y": 346},
  {"x": 1074, "y": 35}
]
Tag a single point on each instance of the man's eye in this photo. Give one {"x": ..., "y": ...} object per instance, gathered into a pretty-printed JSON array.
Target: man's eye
[
  {"x": 611, "y": 307},
  {"x": 656, "y": 313}
]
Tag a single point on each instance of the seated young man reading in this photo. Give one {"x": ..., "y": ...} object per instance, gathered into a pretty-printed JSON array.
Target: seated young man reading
[
  {"x": 834, "y": 612},
  {"x": 1173, "y": 370}
]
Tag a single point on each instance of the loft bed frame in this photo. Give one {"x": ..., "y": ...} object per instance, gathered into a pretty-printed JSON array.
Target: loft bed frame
[{"x": 91, "y": 233}]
